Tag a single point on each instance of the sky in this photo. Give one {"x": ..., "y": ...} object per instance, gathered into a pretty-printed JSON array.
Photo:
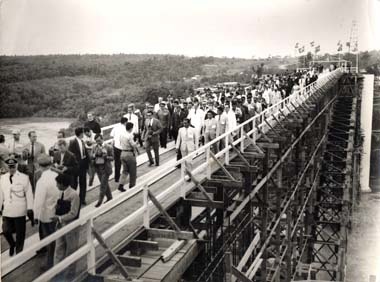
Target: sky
[{"x": 231, "y": 28}]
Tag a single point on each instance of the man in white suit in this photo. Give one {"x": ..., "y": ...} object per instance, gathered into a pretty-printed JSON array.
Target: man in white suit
[{"x": 187, "y": 141}]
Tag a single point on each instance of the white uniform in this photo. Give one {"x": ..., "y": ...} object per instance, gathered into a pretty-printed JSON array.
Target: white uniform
[
  {"x": 197, "y": 118},
  {"x": 46, "y": 197},
  {"x": 16, "y": 197}
]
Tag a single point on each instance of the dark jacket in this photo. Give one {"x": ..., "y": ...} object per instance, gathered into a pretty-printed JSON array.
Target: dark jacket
[{"x": 75, "y": 149}]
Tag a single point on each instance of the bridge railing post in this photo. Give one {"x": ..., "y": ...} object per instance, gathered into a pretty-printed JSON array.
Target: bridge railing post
[
  {"x": 227, "y": 153},
  {"x": 146, "y": 218},
  {"x": 208, "y": 162},
  {"x": 91, "y": 256},
  {"x": 242, "y": 139}
]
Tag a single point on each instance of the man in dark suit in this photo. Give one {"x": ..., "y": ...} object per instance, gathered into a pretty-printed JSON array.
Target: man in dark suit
[
  {"x": 152, "y": 130},
  {"x": 65, "y": 161},
  {"x": 31, "y": 152},
  {"x": 176, "y": 119},
  {"x": 78, "y": 148}
]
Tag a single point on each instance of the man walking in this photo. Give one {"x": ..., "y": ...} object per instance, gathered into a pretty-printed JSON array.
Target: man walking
[
  {"x": 102, "y": 156},
  {"x": 187, "y": 141},
  {"x": 151, "y": 134},
  {"x": 163, "y": 115},
  {"x": 117, "y": 132},
  {"x": 78, "y": 148},
  {"x": 16, "y": 198},
  {"x": 128, "y": 158},
  {"x": 32, "y": 151}
]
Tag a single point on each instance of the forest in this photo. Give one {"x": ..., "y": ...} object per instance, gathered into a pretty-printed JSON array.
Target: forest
[{"x": 71, "y": 85}]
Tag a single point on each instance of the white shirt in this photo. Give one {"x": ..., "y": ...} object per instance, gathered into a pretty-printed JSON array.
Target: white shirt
[
  {"x": 46, "y": 196},
  {"x": 16, "y": 147},
  {"x": 135, "y": 120},
  {"x": 196, "y": 117},
  {"x": 117, "y": 132},
  {"x": 17, "y": 197}
]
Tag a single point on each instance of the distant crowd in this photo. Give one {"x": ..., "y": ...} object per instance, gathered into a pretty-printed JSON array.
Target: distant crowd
[{"x": 43, "y": 184}]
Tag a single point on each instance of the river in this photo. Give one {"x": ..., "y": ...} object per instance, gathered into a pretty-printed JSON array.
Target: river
[{"x": 46, "y": 128}]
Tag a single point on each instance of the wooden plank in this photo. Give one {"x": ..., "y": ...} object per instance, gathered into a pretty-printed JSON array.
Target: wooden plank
[
  {"x": 255, "y": 268},
  {"x": 144, "y": 244},
  {"x": 208, "y": 204},
  {"x": 221, "y": 166},
  {"x": 239, "y": 275},
  {"x": 200, "y": 187},
  {"x": 249, "y": 251},
  {"x": 227, "y": 183},
  {"x": 269, "y": 145},
  {"x": 170, "y": 234},
  {"x": 113, "y": 257},
  {"x": 172, "y": 250},
  {"x": 199, "y": 196},
  {"x": 130, "y": 260}
]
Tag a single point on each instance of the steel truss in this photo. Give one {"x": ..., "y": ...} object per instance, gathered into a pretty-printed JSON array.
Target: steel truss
[{"x": 275, "y": 222}]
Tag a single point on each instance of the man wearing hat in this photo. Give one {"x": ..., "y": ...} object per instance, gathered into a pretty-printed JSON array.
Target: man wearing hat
[
  {"x": 163, "y": 116},
  {"x": 16, "y": 198},
  {"x": 152, "y": 130},
  {"x": 45, "y": 202},
  {"x": 16, "y": 148},
  {"x": 4, "y": 155}
]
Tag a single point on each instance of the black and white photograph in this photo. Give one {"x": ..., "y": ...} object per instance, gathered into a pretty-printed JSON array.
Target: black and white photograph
[{"x": 190, "y": 140}]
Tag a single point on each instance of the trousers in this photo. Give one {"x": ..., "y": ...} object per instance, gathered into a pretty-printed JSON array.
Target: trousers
[
  {"x": 105, "y": 189},
  {"x": 128, "y": 160},
  {"x": 14, "y": 225},
  {"x": 48, "y": 228},
  {"x": 117, "y": 160},
  {"x": 155, "y": 145}
]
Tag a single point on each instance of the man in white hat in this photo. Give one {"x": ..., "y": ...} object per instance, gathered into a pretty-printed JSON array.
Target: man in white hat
[
  {"x": 16, "y": 198},
  {"x": 16, "y": 148}
]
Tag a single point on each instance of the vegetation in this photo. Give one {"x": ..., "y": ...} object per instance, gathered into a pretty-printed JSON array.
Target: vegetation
[{"x": 71, "y": 85}]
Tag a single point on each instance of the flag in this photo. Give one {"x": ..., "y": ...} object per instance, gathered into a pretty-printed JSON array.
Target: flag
[
  {"x": 339, "y": 43},
  {"x": 297, "y": 45},
  {"x": 301, "y": 50},
  {"x": 348, "y": 44},
  {"x": 312, "y": 43},
  {"x": 317, "y": 48},
  {"x": 340, "y": 48}
]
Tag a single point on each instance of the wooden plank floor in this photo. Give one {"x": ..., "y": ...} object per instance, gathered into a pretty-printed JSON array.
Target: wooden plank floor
[
  {"x": 31, "y": 268},
  {"x": 92, "y": 196}
]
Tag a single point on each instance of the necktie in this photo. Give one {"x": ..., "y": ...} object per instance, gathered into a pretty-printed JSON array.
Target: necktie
[
  {"x": 10, "y": 178},
  {"x": 130, "y": 117},
  {"x": 32, "y": 154}
]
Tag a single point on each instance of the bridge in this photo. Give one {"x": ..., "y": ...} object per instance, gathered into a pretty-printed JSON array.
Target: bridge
[{"x": 274, "y": 205}]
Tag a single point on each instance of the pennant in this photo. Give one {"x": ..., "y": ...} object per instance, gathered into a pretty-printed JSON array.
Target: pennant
[
  {"x": 340, "y": 48},
  {"x": 297, "y": 45},
  {"x": 312, "y": 43},
  {"x": 348, "y": 44},
  {"x": 301, "y": 50},
  {"x": 339, "y": 43},
  {"x": 317, "y": 48}
]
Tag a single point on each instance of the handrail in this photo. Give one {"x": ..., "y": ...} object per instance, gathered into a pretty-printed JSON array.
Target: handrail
[{"x": 88, "y": 249}]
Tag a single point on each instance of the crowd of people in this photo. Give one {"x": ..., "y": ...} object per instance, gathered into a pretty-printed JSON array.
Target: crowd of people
[{"x": 49, "y": 187}]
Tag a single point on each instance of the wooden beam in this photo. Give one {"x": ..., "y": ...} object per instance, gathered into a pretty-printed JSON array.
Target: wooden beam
[
  {"x": 110, "y": 253},
  {"x": 170, "y": 234},
  {"x": 172, "y": 250},
  {"x": 239, "y": 275},
  {"x": 163, "y": 212},
  {"x": 240, "y": 155},
  {"x": 222, "y": 167},
  {"x": 200, "y": 187},
  {"x": 249, "y": 251},
  {"x": 208, "y": 204},
  {"x": 269, "y": 145},
  {"x": 199, "y": 196},
  {"x": 144, "y": 244},
  {"x": 130, "y": 260},
  {"x": 227, "y": 183}
]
